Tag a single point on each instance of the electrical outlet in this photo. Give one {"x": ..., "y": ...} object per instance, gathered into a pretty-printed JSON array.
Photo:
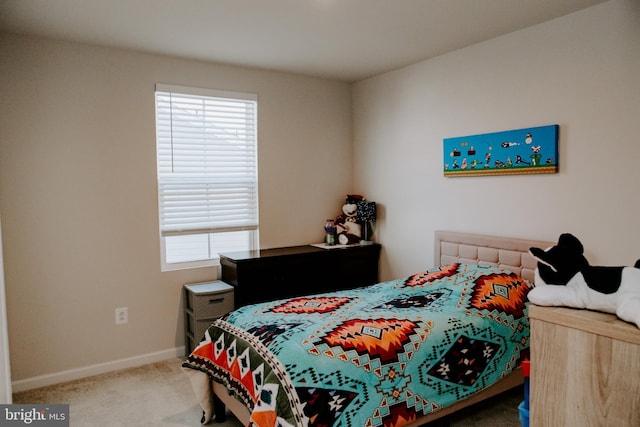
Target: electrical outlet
[{"x": 122, "y": 315}]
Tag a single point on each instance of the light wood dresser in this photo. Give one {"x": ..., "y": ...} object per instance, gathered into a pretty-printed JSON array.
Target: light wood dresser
[{"x": 585, "y": 369}]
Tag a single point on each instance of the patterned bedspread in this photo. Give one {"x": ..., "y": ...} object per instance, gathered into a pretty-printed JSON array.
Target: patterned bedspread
[{"x": 383, "y": 355}]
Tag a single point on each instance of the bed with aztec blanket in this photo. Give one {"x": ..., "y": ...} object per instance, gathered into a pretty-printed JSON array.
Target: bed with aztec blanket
[{"x": 401, "y": 352}]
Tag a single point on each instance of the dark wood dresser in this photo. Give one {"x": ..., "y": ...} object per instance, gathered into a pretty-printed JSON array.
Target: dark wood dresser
[{"x": 270, "y": 274}]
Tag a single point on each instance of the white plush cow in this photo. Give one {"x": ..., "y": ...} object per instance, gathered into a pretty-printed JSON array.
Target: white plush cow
[{"x": 565, "y": 278}]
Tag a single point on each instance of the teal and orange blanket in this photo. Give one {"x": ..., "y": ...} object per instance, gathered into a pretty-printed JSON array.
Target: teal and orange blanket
[{"x": 383, "y": 355}]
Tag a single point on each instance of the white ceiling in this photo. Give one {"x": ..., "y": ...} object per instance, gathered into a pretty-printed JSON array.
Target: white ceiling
[{"x": 338, "y": 39}]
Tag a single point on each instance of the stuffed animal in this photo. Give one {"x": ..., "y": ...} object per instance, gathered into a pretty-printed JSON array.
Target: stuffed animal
[
  {"x": 348, "y": 228},
  {"x": 565, "y": 278}
]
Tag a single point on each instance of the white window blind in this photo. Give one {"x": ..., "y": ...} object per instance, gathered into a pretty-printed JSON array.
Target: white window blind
[{"x": 207, "y": 161}]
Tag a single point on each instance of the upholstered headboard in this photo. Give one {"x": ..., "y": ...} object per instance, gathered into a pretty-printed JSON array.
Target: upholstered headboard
[{"x": 512, "y": 254}]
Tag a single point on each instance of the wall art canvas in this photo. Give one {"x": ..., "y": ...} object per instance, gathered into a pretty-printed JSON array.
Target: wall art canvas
[{"x": 521, "y": 151}]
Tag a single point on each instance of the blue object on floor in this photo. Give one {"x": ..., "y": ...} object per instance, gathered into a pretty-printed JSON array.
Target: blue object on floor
[{"x": 524, "y": 414}]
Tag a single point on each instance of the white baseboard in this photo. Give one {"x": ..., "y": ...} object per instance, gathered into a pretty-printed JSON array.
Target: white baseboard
[{"x": 100, "y": 368}]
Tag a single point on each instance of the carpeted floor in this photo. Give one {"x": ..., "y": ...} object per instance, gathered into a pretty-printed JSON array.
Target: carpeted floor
[{"x": 160, "y": 394}]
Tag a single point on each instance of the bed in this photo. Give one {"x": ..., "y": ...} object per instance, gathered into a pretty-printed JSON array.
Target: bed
[{"x": 398, "y": 353}]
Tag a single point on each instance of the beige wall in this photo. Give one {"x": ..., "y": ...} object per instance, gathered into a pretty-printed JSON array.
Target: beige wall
[
  {"x": 581, "y": 71},
  {"x": 79, "y": 198}
]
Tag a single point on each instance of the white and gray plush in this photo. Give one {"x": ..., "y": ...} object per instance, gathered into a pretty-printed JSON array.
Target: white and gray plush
[{"x": 565, "y": 278}]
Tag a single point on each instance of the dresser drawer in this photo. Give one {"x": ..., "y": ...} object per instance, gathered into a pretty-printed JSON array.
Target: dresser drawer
[
  {"x": 208, "y": 300},
  {"x": 197, "y": 328},
  {"x": 210, "y": 306}
]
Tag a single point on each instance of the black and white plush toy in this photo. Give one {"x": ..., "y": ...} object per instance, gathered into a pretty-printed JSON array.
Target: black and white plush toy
[{"x": 565, "y": 278}]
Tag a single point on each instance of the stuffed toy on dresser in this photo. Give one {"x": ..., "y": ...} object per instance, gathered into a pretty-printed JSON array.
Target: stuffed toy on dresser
[
  {"x": 565, "y": 278},
  {"x": 349, "y": 229}
]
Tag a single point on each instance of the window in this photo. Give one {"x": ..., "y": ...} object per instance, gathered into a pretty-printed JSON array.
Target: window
[{"x": 207, "y": 174}]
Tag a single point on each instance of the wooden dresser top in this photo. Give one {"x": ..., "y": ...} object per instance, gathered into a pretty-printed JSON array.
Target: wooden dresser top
[{"x": 587, "y": 320}]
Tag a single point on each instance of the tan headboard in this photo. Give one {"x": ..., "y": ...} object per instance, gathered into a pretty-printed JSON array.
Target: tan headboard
[{"x": 512, "y": 254}]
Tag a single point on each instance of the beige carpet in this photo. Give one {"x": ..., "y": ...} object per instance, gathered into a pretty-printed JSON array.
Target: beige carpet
[{"x": 160, "y": 395}]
